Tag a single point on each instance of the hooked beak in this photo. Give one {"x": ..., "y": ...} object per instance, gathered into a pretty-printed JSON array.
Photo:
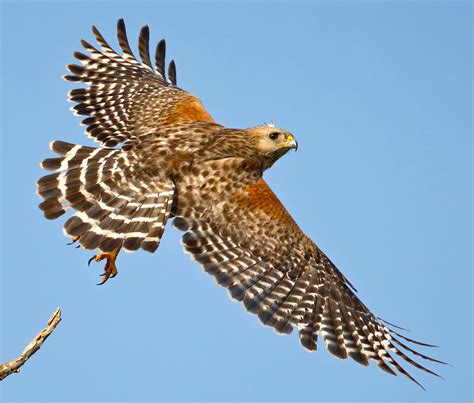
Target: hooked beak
[{"x": 291, "y": 142}]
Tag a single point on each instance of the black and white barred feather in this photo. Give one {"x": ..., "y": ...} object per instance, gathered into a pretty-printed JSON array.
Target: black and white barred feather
[
  {"x": 114, "y": 206},
  {"x": 311, "y": 297},
  {"x": 124, "y": 97},
  {"x": 120, "y": 201}
]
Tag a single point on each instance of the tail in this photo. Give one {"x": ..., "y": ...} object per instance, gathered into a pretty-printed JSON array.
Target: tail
[{"x": 113, "y": 207}]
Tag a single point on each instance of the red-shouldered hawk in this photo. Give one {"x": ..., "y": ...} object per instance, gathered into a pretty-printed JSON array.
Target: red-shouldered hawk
[{"x": 173, "y": 160}]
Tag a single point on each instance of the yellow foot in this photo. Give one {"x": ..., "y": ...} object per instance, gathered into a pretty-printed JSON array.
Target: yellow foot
[
  {"x": 74, "y": 239},
  {"x": 110, "y": 269}
]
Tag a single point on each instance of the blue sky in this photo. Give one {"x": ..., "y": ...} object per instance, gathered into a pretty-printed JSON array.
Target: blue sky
[{"x": 379, "y": 96}]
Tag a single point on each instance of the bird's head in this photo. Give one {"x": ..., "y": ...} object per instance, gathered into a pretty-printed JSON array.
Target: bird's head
[{"x": 272, "y": 143}]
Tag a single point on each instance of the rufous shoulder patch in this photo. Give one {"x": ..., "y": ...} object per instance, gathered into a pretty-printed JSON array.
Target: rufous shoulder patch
[
  {"x": 189, "y": 108},
  {"x": 258, "y": 195}
]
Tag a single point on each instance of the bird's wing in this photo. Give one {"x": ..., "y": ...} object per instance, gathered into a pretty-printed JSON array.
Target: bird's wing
[
  {"x": 125, "y": 98},
  {"x": 253, "y": 247}
]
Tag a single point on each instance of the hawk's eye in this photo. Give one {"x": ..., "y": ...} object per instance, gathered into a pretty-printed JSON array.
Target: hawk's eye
[{"x": 274, "y": 135}]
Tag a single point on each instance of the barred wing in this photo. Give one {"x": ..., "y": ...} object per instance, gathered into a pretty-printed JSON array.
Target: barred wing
[
  {"x": 125, "y": 98},
  {"x": 252, "y": 246}
]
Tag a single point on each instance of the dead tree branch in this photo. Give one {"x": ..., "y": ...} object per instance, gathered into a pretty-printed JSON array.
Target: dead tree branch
[{"x": 14, "y": 365}]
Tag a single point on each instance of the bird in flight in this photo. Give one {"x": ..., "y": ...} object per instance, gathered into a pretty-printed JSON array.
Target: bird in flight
[{"x": 162, "y": 156}]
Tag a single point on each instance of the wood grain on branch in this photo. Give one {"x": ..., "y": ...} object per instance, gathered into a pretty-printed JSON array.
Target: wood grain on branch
[{"x": 14, "y": 365}]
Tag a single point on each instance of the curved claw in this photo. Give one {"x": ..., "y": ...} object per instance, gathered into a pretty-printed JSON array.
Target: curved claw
[
  {"x": 109, "y": 273},
  {"x": 73, "y": 240},
  {"x": 110, "y": 269}
]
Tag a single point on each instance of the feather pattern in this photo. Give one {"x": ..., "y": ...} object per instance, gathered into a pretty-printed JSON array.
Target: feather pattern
[
  {"x": 125, "y": 98},
  {"x": 266, "y": 262},
  {"x": 175, "y": 161},
  {"x": 110, "y": 210}
]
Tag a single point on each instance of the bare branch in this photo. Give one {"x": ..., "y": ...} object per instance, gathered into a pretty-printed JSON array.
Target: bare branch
[{"x": 14, "y": 365}]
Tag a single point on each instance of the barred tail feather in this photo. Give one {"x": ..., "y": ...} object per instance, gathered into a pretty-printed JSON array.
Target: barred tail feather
[{"x": 110, "y": 212}]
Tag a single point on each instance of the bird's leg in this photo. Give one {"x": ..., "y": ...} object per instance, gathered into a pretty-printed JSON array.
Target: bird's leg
[{"x": 110, "y": 269}]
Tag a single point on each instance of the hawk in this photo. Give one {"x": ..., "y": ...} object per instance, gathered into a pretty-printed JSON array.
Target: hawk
[{"x": 162, "y": 156}]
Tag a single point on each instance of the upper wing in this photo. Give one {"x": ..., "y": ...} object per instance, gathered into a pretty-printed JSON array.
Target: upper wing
[
  {"x": 253, "y": 247},
  {"x": 125, "y": 98}
]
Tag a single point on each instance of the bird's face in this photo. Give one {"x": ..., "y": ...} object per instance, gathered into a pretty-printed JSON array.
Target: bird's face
[{"x": 272, "y": 143}]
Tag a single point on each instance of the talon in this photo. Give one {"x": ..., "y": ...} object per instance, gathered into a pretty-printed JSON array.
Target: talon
[
  {"x": 102, "y": 256},
  {"x": 73, "y": 240},
  {"x": 110, "y": 269},
  {"x": 102, "y": 282}
]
